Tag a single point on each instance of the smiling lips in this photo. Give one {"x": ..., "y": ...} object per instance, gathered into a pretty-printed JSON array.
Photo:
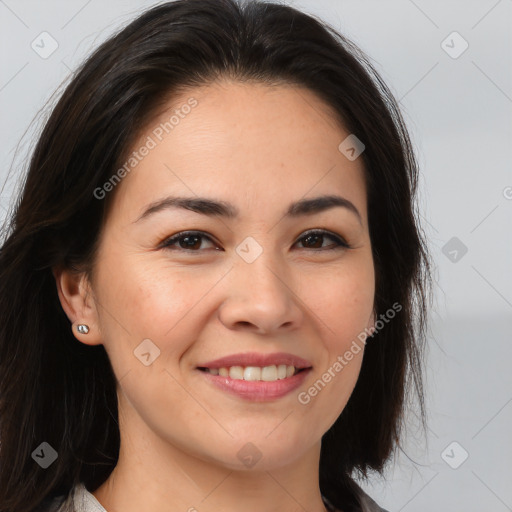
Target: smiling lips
[
  {"x": 266, "y": 373},
  {"x": 257, "y": 377}
]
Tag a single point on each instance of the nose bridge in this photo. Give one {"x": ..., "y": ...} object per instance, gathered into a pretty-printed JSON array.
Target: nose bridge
[
  {"x": 260, "y": 292},
  {"x": 267, "y": 276}
]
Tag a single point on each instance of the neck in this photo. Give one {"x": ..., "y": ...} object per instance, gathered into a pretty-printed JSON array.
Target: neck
[{"x": 154, "y": 474}]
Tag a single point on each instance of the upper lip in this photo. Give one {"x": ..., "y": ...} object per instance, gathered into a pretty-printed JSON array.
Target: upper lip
[{"x": 257, "y": 359}]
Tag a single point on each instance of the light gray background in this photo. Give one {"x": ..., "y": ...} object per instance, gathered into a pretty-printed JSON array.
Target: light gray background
[{"x": 459, "y": 113}]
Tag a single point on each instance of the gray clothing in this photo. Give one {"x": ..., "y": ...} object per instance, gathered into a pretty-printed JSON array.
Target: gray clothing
[{"x": 81, "y": 500}]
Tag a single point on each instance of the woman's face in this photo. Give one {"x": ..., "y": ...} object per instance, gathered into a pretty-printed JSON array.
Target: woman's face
[{"x": 248, "y": 283}]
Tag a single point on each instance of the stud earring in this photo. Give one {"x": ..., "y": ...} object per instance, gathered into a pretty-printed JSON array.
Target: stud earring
[{"x": 82, "y": 328}]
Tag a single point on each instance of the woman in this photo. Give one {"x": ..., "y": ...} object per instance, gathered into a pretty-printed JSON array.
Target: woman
[{"x": 214, "y": 285}]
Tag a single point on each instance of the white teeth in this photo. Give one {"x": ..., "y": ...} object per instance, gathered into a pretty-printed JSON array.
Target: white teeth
[
  {"x": 236, "y": 372},
  {"x": 266, "y": 373},
  {"x": 252, "y": 373},
  {"x": 269, "y": 373}
]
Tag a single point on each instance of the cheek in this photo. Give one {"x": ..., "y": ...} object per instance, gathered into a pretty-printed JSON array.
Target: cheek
[
  {"x": 349, "y": 315},
  {"x": 150, "y": 299},
  {"x": 344, "y": 304}
]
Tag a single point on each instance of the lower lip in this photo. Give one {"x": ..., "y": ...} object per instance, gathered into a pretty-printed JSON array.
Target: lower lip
[{"x": 255, "y": 390}]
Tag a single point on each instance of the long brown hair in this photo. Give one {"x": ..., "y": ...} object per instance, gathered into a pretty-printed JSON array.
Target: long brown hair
[{"x": 57, "y": 390}]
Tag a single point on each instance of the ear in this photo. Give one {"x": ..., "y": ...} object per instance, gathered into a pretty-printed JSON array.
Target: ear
[{"x": 77, "y": 301}]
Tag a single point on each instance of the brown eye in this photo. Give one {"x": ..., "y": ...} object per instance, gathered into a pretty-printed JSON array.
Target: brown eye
[
  {"x": 191, "y": 241},
  {"x": 315, "y": 240},
  {"x": 186, "y": 241}
]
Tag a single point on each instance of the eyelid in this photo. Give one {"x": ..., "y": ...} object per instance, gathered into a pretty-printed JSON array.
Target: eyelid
[
  {"x": 341, "y": 243},
  {"x": 166, "y": 243},
  {"x": 320, "y": 231}
]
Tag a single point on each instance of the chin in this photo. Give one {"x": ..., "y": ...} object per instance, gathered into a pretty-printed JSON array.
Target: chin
[{"x": 261, "y": 454}]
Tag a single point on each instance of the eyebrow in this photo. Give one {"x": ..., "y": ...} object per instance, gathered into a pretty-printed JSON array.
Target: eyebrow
[{"x": 214, "y": 208}]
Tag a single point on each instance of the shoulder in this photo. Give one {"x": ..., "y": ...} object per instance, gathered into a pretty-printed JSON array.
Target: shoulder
[
  {"x": 79, "y": 499},
  {"x": 55, "y": 504},
  {"x": 367, "y": 503},
  {"x": 354, "y": 499}
]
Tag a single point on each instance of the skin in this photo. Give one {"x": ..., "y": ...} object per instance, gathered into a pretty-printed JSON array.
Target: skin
[{"x": 259, "y": 148}]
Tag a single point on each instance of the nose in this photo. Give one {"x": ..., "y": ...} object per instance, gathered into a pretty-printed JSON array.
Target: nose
[{"x": 261, "y": 297}]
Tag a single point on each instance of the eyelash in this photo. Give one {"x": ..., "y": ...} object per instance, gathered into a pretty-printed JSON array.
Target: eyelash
[{"x": 340, "y": 243}]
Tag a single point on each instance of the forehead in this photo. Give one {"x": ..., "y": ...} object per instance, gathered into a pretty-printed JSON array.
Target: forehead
[{"x": 248, "y": 143}]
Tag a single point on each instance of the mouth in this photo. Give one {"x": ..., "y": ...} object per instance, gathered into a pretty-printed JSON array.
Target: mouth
[
  {"x": 257, "y": 377},
  {"x": 270, "y": 373}
]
